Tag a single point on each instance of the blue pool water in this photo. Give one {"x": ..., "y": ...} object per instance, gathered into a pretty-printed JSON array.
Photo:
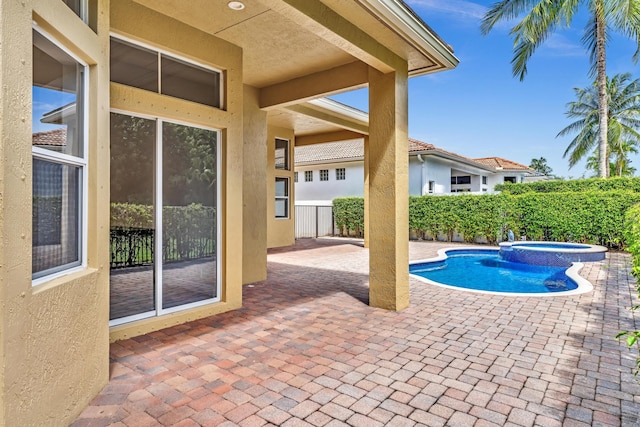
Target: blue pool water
[{"x": 485, "y": 270}]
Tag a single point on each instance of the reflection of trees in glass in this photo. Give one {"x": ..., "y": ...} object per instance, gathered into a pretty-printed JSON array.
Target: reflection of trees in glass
[
  {"x": 132, "y": 159},
  {"x": 189, "y": 165}
]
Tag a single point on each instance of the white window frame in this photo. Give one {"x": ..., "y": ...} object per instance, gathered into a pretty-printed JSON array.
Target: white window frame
[
  {"x": 344, "y": 174},
  {"x": 157, "y": 206},
  {"x": 169, "y": 54},
  {"x": 308, "y": 174},
  {"x": 69, "y": 160},
  {"x": 324, "y": 174},
  {"x": 286, "y": 197}
]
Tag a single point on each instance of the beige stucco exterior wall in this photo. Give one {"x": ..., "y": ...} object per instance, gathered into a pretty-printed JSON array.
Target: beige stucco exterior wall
[
  {"x": 254, "y": 247},
  {"x": 54, "y": 337},
  {"x": 280, "y": 231},
  {"x": 139, "y": 23}
]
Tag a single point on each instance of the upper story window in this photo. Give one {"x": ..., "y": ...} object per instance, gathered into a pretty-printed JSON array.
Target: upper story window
[
  {"x": 324, "y": 174},
  {"x": 308, "y": 176},
  {"x": 282, "y": 154},
  {"x": 148, "y": 69},
  {"x": 59, "y": 158},
  {"x": 340, "y": 174},
  {"x": 510, "y": 179},
  {"x": 80, "y": 8},
  {"x": 465, "y": 179}
]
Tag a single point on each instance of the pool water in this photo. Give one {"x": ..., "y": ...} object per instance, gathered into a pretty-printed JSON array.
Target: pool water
[{"x": 485, "y": 270}]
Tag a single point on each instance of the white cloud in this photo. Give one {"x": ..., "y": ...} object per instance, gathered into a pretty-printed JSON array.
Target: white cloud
[{"x": 561, "y": 45}]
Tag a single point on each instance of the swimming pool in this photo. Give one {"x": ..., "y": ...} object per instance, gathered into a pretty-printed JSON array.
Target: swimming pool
[
  {"x": 485, "y": 270},
  {"x": 559, "y": 254}
]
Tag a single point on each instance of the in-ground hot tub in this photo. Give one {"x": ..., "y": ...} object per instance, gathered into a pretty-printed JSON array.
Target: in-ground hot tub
[{"x": 551, "y": 253}]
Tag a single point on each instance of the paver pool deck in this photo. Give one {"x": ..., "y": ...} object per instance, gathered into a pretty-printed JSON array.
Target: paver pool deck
[{"x": 307, "y": 350}]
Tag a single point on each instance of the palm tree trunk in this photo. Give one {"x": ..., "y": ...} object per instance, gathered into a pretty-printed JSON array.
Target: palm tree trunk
[{"x": 601, "y": 66}]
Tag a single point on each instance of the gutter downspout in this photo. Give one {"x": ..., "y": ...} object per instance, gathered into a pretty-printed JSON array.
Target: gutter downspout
[{"x": 422, "y": 174}]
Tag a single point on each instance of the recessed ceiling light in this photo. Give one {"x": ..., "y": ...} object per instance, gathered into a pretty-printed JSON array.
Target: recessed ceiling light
[{"x": 235, "y": 5}]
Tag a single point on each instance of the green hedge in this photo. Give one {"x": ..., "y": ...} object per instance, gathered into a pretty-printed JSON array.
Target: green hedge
[
  {"x": 632, "y": 236},
  {"x": 575, "y": 185},
  {"x": 348, "y": 213},
  {"x": 590, "y": 217}
]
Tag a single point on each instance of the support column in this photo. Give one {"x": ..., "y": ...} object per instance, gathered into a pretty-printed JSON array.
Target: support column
[
  {"x": 388, "y": 190},
  {"x": 366, "y": 191}
]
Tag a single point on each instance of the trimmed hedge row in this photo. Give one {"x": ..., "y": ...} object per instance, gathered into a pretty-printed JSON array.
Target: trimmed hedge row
[
  {"x": 348, "y": 213},
  {"x": 632, "y": 236},
  {"x": 575, "y": 185},
  {"x": 590, "y": 217}
]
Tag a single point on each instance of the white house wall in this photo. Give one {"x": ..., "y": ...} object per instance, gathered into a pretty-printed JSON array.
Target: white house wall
[
  {"x": 439, "y": 172},
  {"x": 351, "y": 186}
]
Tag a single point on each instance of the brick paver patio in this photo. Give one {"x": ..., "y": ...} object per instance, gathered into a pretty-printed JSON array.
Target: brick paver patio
[{"x": 306, "y": 350}]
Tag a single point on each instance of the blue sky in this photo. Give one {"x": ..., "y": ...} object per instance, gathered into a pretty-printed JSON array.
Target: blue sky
[{"x": 479, "y": 109}]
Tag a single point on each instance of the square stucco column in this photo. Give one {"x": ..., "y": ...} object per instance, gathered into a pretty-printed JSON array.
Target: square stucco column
[
  {"x": 388, "y": 190},
  {"x": 366, "y": 191}
]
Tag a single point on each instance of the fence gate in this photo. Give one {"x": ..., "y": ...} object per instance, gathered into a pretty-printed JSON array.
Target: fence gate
[{"x": 314, "y": 221}]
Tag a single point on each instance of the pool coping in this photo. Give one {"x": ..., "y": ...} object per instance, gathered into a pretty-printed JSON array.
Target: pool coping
[{"x": 572, "y": 272}]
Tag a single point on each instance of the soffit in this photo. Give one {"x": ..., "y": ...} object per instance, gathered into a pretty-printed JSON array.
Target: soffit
[
  {"x": 303, "y": 124},
  {"x": 276, "y": 48}
]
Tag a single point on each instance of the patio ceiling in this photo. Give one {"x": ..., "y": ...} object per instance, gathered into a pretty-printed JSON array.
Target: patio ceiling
[{"x": 297, "y": 50}]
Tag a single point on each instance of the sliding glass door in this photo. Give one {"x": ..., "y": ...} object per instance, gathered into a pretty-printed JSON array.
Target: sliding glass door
[{"x": 164, "y": 217}]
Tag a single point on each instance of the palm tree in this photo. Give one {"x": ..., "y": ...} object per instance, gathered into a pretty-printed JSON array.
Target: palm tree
[
  {"x": 623, "y": 101},
  {"x": 620, "y": 166},
  {"x": 544, "y": 16},
  {"x": 540, "y": 165}
]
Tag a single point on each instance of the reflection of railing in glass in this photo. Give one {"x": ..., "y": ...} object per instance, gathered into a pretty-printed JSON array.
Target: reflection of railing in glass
[{"x": 188, "y": 235}]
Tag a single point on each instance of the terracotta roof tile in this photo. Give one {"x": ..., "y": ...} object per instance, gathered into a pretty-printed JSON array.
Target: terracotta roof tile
[
  {"x": 499, "y": 162},
  {"x": 55, "y": 137},
  {"x": 342, "y": 150},
  {"x": 354, "y": 150}
]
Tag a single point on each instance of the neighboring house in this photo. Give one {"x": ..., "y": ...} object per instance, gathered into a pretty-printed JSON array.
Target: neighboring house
[
  {"x": 175, "y": 174},
  {"x": 326, "y": 171}
]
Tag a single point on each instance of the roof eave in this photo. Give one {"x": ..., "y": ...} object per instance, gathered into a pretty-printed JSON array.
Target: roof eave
[{"x": 409, "y": 25}]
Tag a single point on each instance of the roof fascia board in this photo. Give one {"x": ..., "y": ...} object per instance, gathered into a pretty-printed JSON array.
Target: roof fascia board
[
  {"x": 396, "y": 14},
  {"x": 438, "y": 153}
]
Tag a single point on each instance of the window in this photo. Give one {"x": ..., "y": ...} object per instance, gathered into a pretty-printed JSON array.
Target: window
[
  {"x": 308, "y": 176},
  {"x": 484, "y": 180},
  {"x": 510, "y": 179},
  {"x": 59, "y": 158},
  {"x": 282, "y": 154},
  {"x": 282, "y": 197},
  {"x": 165, "y": 222},
  {"x": 324, "y": 174},
  {"x": 340, "y": 174},
  {"x": 466, "y": 179},
  {"x": 79, "y": 7},
  {"x": 295, "y": 177},
  {"x": 136, "y": 66},
  {"x": 432, "y": 186}
]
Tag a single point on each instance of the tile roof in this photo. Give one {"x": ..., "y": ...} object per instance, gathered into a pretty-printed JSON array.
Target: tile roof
[
  {"x": 500, "y": 163},
  {"x": 352, "y": 149},
  {"x": 55, "y": 137}
]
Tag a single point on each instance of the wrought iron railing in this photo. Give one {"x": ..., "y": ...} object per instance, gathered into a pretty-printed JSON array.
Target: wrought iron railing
[{"x": 132, "y": 246}]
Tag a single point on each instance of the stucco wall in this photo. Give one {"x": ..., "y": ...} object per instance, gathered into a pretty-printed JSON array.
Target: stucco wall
[
  {"x": 54, "y": 337},
  {"x": 438, "y": 172},
  {"x": 139, "y": 23},
  {"x": 351, "y": 186},
  {"x": 254, "y": 265},
  {"x": 280, "y": 231}
]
